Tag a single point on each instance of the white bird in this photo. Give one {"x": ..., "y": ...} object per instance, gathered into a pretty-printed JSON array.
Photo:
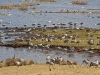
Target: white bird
[
  {"x": 48, "y": 58},
  {"x": 18, "y": 63},
  {"x": 7, "y": 22},
  {"x": 9, "y": 14},
  {"x": 32, "y": 12},
  {"x": 90, "y": 12},
  {"x": 1, "y": 20},
  {"x": 49, "y": 21},
  {"x": 95, "y": 24},
  {"x": 82, "y": 7}
]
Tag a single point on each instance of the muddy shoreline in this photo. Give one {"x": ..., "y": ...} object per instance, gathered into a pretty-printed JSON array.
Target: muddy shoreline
[{"x": 67, "y": 49}]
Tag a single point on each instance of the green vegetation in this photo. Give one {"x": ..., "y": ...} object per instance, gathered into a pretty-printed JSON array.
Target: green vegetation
[{"x": 83, "y": 35}]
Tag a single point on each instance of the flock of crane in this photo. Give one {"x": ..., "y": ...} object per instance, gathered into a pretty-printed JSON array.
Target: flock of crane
[{"x": 60, "y": 60}]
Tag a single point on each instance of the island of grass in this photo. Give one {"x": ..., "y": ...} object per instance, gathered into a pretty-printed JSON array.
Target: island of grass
[{"x": 62, "y": 37}]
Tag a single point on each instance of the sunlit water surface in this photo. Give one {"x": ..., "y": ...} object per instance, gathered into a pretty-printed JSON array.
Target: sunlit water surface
[{"x": 19, "y": 18}]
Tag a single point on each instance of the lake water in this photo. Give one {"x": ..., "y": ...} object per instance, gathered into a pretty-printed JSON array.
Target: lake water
[
  {"x": 20, "y": 18},
  {"x": 40, "y": 56}
]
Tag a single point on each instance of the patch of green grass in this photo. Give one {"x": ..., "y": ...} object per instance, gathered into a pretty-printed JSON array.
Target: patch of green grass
[{"x": 81, "y": 35}]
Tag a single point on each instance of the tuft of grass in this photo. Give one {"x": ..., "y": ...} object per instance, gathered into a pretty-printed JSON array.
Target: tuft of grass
[
  {"x": 9, "y": 62},
  {"x": 0, "y": 65},
  {"x": 29, "y": 62}
]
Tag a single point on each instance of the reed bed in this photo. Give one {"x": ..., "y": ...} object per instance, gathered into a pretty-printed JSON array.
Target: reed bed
[
  {"x": 8, "y": 7},
  {"x": 20, "y": 6},
  {"x": 23, "y": 8},
  {"x": 12, "y": 62},
  {"x": 46, "y": 0},
  {"x": 80, "y": 2}
]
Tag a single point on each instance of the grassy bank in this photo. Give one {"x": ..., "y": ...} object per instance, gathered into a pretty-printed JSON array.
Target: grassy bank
[{"x": 43, "y": 69}]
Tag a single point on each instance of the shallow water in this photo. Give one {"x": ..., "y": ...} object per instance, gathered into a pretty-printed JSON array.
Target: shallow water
[
  {"x": 19, "y": 18},
  {"x": 40, "y": 56}
]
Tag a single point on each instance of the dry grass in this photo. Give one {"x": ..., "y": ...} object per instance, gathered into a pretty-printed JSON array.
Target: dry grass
[
  {"x": 47, "y": 0},
  {"x": 23, "y": 8},
  {"x": 13, "y": 6},
  {"x": 43, "y": 69},
  {"x": 79, "y": 2}
]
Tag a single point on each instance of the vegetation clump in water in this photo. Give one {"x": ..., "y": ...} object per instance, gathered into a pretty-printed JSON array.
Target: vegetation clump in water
[
  {"x": 20, "y": 6},
  {"x": 79, "y": 2},
  {"x": 46, "y": 0}
]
